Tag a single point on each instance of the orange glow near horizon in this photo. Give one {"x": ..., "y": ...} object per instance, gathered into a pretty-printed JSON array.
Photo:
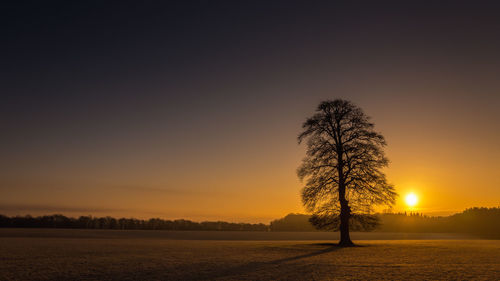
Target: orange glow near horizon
[{"x": 247, "y": 177}]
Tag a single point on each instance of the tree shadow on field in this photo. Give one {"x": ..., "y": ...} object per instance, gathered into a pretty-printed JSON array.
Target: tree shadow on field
[
  {"x": 255, "y": 266},
  {"x": 331, "y": 248}
]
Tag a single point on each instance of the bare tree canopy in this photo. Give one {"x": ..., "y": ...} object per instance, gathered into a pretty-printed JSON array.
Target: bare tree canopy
[{"x": 342, "y": 170}]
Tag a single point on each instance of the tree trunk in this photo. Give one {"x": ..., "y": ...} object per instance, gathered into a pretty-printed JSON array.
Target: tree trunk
[
  {"x": 345, "y": 210},
  {"x": 345, "y": 213}
]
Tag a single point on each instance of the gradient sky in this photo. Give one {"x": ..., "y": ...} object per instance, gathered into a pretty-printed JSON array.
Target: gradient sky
[{"x": 191, "y": 109}]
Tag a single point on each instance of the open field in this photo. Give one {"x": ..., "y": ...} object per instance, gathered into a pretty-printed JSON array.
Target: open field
[{"x": 56, "y": 254}]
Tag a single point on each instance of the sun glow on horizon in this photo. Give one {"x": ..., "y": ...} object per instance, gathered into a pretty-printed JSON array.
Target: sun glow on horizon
[{"x": 411, "y": 199}]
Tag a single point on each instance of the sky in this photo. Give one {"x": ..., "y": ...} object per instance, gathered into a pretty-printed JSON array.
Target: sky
[{"x": 191, "y": 109}]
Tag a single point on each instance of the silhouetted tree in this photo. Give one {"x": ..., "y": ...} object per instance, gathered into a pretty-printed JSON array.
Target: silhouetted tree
[{"x": 343, "y": 168}]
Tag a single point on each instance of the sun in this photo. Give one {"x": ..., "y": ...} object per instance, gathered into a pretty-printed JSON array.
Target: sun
[{"x": 411, "y": 199}]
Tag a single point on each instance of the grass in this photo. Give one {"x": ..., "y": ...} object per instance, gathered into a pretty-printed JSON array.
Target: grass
[{"x": 138, "y": 255}]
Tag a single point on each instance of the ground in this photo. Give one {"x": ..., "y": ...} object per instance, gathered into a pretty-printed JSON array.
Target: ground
[{"x": 140, "y": 255}]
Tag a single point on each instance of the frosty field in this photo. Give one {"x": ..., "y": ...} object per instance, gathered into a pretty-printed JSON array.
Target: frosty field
[{"x": 55, "y": 254}]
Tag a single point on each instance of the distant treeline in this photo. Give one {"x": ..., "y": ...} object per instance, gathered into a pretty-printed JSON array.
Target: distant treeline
[
  {"x": 89, "y": 222},
  {"x": 484, "y": 222}
]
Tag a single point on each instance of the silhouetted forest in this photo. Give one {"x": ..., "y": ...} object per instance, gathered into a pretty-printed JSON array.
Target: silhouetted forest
[
  {"x": 483, "y": 222},
  {"x": 60, "y": 221},
  {"x": 292, "y": 222}
]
